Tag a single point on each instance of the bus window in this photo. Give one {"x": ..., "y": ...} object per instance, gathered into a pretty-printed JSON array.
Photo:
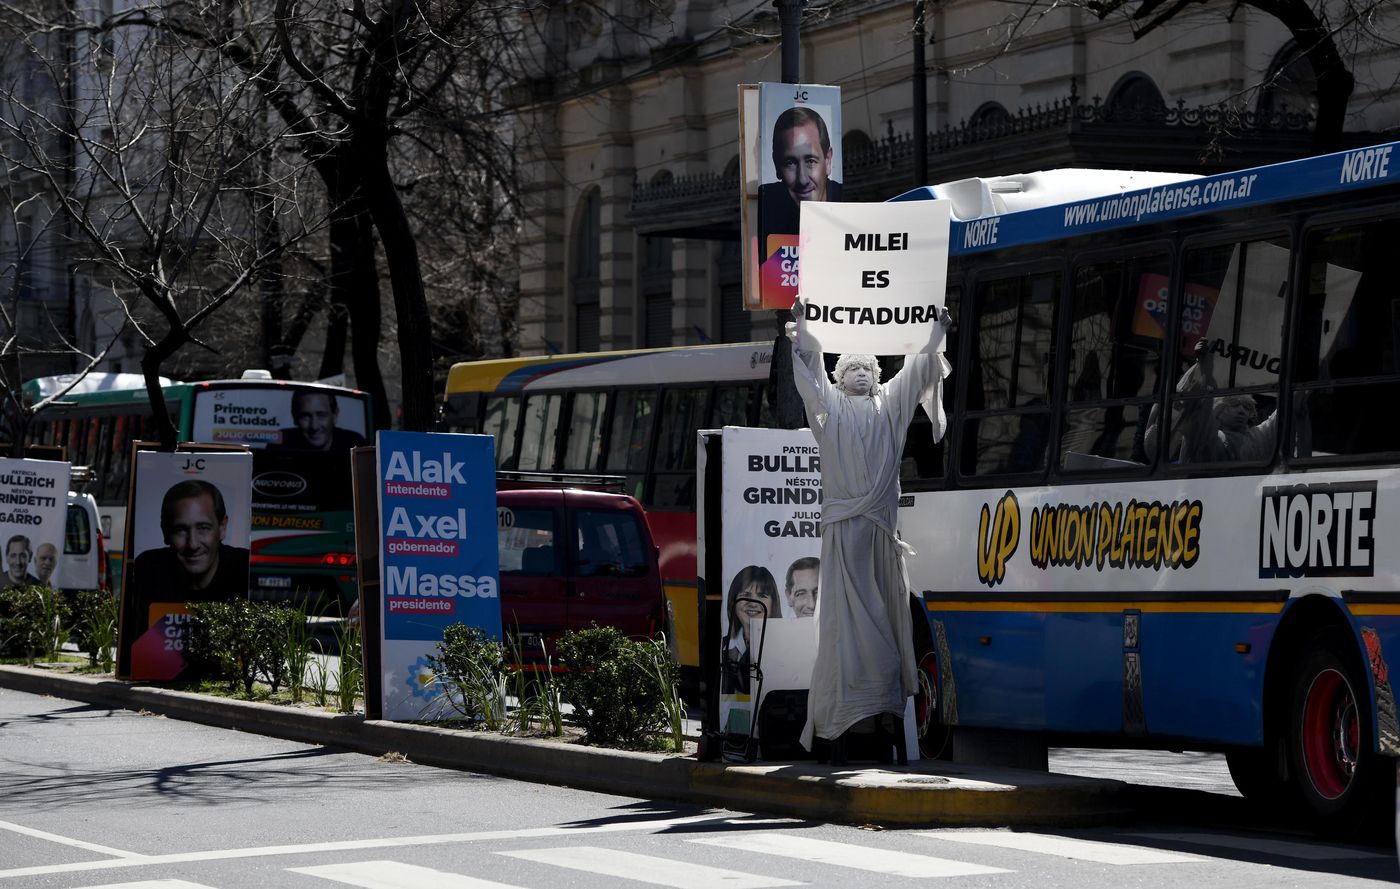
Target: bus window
[
  {"x": 541, "y": 422},
  {"x": 1008, "y": 410},
  {"x": 1117, "y": 326},
  {"x": 502, "y": 420},
  {"x": 119, "y": 466},
  {"x": 923, "y": 458},
  {"x": 732, "y": 405},
  {"x": 583, "y": 447},
  {"x": 1232, "y": 327},
  {"x": 684, "y": 410},
  {"x": 631, "y": 437},
  {"x": 1346, "y": 368}
]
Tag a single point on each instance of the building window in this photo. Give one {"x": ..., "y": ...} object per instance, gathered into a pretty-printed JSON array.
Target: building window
[
  {"x": 1135, "y": 98},
  {"x": 1291, "y": 84},
  {"x": 735, "y": 323},
  {"x": 587, "y": 252},
  {"x": 989, "y": 114},
  {"x": 656, "y": 284}
]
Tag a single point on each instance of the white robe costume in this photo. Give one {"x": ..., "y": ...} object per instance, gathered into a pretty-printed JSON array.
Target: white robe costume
[{"x": 865, "y": 652}]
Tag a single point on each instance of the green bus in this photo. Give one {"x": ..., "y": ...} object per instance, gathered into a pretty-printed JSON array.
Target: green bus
[{"x": 303, "y": 543}]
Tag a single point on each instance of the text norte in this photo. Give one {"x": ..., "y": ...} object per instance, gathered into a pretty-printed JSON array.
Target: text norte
[
  {"x": 1138, "y": 534},
  {"x": 1324, "y": 530}
]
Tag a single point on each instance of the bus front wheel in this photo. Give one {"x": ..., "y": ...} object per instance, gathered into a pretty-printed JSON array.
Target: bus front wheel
[
  {"x": 934, "y": 736},
  {"x": 1336, "y": 772}
]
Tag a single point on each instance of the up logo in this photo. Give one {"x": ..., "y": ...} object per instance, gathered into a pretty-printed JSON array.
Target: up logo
[{"x": 998, "y": 534}]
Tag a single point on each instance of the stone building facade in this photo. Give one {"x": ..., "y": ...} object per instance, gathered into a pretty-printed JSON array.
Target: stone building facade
[{"x": 629, "y": 149}]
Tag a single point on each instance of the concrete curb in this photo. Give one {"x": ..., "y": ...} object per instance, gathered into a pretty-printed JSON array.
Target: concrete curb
[{"x": 927, "y": 794}]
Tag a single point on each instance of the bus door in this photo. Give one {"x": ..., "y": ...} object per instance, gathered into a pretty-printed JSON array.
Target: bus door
[
  {"x": 614, "y": 577},
  {"x": 534, "y": 606}
]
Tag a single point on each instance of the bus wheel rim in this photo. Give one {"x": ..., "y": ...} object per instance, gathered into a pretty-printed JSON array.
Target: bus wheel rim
[
  {"x": 926, "y": 700},
  {"x": 1331, "y": 734}
]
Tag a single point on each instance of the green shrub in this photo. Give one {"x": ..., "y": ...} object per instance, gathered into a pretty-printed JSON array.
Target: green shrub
[
  {"x": 350, "y": 643},
  {"x": 95, "y": 627},
  {"x": 241, "y": 641},
  {"x": 33, "y": 621},
  {"x": 470, "y": 669},
  {"x": 619, "y": 687}
]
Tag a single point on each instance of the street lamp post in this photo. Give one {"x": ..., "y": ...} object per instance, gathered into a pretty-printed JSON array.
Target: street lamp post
[
  {"x": 782, "y": 391},
  {"x": 920, "y": 99}
]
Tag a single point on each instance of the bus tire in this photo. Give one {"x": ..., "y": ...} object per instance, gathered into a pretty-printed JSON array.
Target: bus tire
[
  {"x": 935, "y": 737},
  {"x": 1339, "y": 778}
]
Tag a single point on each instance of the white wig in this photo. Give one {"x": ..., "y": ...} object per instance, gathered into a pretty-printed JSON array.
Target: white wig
[{"x": 846, "y": 362}]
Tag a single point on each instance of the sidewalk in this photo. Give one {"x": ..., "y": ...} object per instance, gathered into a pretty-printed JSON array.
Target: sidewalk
[{"x": 924, "y": 794}]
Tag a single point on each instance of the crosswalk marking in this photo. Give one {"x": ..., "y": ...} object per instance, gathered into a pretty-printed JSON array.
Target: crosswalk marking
[
  {"x": 1284, "y": 848},
  {"x": 395, "y": 875},
  {"x": 67, "y": 841},
  {"x": 153, "y": 884},
  {"x": 485, "y": 836},
  {"x": 880, "y": 861},
  {"x": 647, "y": 869},
  {"x": 1064, "y": 847}
]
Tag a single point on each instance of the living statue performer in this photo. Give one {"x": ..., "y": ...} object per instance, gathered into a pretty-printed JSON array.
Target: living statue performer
[{"x": 865, "y": 652}]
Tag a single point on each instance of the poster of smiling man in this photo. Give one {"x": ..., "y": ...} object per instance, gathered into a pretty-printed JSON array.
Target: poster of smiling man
[
  {"x": 33, "y": 504},
  {"x": 799, "y": 158},
  {"x": 192, "y": 547}
]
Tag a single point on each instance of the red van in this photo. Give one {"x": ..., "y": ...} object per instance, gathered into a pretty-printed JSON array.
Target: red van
[{"x": 572, "y": 558}]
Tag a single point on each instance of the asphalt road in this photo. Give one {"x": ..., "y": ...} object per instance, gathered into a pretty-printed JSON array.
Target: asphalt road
[{"x": 91, "y": 797}]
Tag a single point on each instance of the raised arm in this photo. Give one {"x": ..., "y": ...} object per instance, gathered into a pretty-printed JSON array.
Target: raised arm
[{"x": 809, "y": 372}]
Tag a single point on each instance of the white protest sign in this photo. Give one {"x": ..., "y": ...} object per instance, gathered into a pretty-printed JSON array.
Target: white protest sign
[{"x": 873, "y": 276}]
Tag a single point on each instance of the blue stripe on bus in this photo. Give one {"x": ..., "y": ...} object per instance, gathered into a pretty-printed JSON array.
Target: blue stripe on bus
[{"x": 1308, "y": 177}]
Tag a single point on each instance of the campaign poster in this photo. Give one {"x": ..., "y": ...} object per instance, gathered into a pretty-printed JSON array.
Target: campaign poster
[
  {"x": 300, "y": 419},
  {"x": 438, "y": 559},
  {"x": 1154, "y": 301},
  {"x": 187, "y": 542},
  {"x": 33, "y": 510},
  {"x": 771, "y": 541},
  {"x": 799, "y": 163},
  {"x": 874, "y": 277}
]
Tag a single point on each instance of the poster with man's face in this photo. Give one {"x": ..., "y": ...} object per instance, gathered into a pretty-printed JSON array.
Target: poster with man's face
[
  {"x": 302, "y": 419},
  {"x": 189, "y": 543},
  {"x": 799, "y": 162},
  {"x": 33, "y": 509}
]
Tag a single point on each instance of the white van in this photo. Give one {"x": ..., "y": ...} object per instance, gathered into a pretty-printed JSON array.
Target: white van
[{"x": 84, "y": 562}]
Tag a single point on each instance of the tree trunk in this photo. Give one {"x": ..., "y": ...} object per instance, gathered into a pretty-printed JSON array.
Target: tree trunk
[
  {"x": 366, "y": 326},
  {"x": 151, "y": 363},
  {"x": 406, "y": 277},
  {"x": 1334, "y": 80}
]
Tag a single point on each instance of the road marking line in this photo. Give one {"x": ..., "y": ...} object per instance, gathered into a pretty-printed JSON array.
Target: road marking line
[
  {"x": 67, "y": 841},
  {"x": 527, "y": 833},
  {"x": 647, "y": 868},
  {"x": 153, "y": 884},
  {"x": 395, "y": 875},
  {"x": 1065, "y": 847},
  {"x": 1285, "y": 848},
  {"x": 866, "y": 858}
]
